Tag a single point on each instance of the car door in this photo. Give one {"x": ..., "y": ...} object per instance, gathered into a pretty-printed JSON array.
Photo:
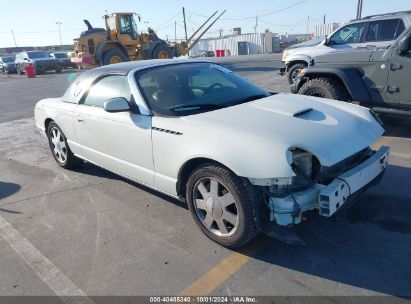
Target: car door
[
  {"x": 398, "y": 84},
  {"x": 384, "y": 32},
  {"x": 349, "y": 36},
  {"x": 120, "y": 142}
]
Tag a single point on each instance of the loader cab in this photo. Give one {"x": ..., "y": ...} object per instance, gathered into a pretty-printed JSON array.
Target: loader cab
[{"x": 125, "y": 27}]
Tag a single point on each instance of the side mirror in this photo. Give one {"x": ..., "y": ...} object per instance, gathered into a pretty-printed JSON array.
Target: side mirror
[
  {"x": 327, "y": 41},
  {"x": 118, "y": 104},
  {"x": 405, "y": 45}
]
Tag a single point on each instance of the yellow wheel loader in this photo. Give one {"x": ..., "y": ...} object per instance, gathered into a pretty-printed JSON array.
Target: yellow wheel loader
[{"x": 120, "y": 41}]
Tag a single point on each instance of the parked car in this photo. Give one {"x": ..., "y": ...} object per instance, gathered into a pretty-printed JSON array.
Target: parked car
[
  {"x": 202, "y": 53},
  {"x": 311, "y": 42},
  {"x": 378, "y": 30},
  {"x": 64, "y": 59},
  {"x": 244, "y": 160},
  {"x": 41, "y": 60},
  {"x": 374, "y": 77},
  {"x": 7, "y": 64}
]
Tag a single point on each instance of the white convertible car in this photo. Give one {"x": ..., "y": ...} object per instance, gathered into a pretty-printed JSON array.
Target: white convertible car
[{"x": 244, "y": 159}]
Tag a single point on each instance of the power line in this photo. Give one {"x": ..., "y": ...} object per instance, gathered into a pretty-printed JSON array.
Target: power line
[
  {"x": 166, "y": 22},
  {"x": 300, "y": 23},
  {"x": 253, "y": 17}
]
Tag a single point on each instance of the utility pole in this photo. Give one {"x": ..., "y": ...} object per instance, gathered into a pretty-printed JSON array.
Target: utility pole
[
  {"x": 185, "y": 23},
  {"x": 59, "y": 25},
  {"x": 221, "y": 31},
  {"x": 256, "y": 24},
  {"x": 359, "y": 9},
  {"x": 325, "y": 16},
  {"x": 308, "y": 25},
  {"x": 175, "y": 31},
  {"x": 14, "y": 38}
]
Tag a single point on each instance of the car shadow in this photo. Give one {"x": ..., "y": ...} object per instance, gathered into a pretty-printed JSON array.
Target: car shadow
[
  {"x": 90, "y": 169},
  {"x": 369, "y": 247},
  {"x": 8, "y": 189},
  {"x": 396, "y": 126}
]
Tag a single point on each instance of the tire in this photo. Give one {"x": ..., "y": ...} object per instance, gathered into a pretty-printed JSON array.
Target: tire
[
  {"x": 162, "y": 51},
  {"x": 114, "y": 56},
  {"x": 294, "y": 71},
  {"x": 61, "y": 153},
  {"x": 19, "y": 70},
  {"x": 325, "y": 88},
  {"x": 237, "y": 208}
]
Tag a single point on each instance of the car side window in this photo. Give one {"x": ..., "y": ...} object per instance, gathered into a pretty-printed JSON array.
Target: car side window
[
  {"x": 107, "y": 88},
  {"x": 351, "y": 33},
  {"x": 385, "y": 30}
]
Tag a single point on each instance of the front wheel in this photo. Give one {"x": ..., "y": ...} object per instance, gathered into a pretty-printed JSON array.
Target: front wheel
[
  {"x": 221, "y": 205},
  {"x": 162, "y": 51},
  {"x": 114, "y": 56},
  {"x": 19, "y": 70},
  {"x": 60, "y": 149},
  {"x": 294, "y": 71},
  {"x": 325, "y": 88}
]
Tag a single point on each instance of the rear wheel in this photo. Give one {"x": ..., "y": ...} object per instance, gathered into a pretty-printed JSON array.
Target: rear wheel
[
  {"x": 60, "y": 149},
  {"x": 162, "y": 51},
  {"x": 325, "y": 88},
  {"x": 221, "y": 205},
  {"x": 114, "y": 56},
  {"x": 294, "y": 71}
]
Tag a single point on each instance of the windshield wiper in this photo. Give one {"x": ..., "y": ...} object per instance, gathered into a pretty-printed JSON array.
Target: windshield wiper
[{"x": 193, "y": 107}]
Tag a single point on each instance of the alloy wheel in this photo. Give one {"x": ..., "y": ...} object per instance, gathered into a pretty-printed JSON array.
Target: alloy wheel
[
  {"x": 215, "y": 207},
  {"x": 58, "y": 145}
]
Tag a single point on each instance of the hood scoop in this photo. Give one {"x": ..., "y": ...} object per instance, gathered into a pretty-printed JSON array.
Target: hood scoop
[
  {"x": 302, "y": 112},
  {"x": 284, "y": 108}
]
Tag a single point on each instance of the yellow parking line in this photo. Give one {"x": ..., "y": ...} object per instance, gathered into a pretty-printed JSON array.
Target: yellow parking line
[{"x": 217, "y": 275}]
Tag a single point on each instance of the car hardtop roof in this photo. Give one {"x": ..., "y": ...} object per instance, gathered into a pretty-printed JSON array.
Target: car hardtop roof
[
  {"x": 126, "y": 67},
  {"x": 383, "y": 16}
]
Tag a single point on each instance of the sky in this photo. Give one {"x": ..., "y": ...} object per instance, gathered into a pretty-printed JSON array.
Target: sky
[{"x": 35, "y": 23}]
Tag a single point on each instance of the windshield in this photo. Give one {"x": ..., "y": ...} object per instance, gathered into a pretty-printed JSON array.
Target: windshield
[
  {"x": 185, "y": 89},
  {"x": 8, "y": 59},
  {"x": 60, "y": 55},
  {"x": 36, "y": 55},
  {"x": 351, "y": 33}
]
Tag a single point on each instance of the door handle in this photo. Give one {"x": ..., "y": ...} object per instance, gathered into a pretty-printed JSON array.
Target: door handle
[
  {"x": 393, "y": 89},
  {"x": 80, "y": 119},
  {"x": 395, "y": 66}
]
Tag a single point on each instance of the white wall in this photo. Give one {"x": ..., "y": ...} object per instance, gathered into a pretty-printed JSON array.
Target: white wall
[{"x": 256, "y": 44}]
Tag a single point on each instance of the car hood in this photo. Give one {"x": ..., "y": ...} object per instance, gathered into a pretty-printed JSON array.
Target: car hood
[
  {"x": 329, "y": 129},
  {"x": 310, "y": 51}
]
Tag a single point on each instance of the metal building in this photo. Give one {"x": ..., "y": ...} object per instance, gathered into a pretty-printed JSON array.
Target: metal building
[{"x": 246, "y": 43}]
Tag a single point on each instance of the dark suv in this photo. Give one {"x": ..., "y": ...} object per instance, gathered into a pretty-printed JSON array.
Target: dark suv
[
  {"x": 64, "y": 59},
  {"x": 7, "y": 64},
  {"x": 374, "y": 77},
  {"x": 41, "y": 60}
]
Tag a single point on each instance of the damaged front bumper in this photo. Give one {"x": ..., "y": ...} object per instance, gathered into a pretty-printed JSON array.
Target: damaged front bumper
[{"x": 329, "y": 199}]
